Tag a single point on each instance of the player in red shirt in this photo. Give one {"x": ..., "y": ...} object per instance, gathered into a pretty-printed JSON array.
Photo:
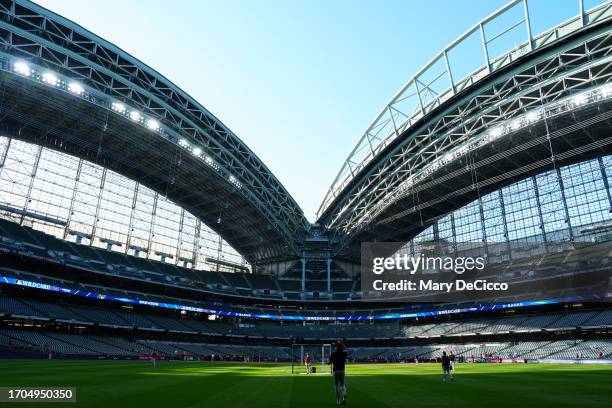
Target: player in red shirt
[{"x": 308, "y": 363}]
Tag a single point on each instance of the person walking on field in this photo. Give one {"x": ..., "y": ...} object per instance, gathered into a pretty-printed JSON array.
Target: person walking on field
[
  {"x": 338, "y": 361},
  {"x": 446, "y": 367}
]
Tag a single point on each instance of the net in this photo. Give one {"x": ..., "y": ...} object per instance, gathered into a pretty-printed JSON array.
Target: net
[{"x": 319, "y": 356}]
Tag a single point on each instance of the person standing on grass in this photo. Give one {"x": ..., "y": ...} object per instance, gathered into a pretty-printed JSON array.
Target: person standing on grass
[
  {"x": 338, "y": 361},
  {"x": 308, "y": 363},
  {"x": 446, "y": 367}
]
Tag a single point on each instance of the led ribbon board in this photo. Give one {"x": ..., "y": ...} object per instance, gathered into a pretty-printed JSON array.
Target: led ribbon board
[{"x": 388, "y": 316}]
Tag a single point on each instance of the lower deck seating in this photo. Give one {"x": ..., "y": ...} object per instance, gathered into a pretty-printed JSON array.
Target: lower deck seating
[{"x": 85, "y": 345}]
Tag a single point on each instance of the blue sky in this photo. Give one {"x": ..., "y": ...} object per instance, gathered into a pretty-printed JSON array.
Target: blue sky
[{"x": 298, "y": 81}]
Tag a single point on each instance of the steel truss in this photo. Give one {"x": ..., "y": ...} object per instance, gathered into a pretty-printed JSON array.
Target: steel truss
[
  {"x": 544, "y": 78},
  {"x": 38, "y": 36},
  {"x": 435, "y": 84}
]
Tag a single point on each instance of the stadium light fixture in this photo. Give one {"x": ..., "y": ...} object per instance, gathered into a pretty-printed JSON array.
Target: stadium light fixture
[
  {"x": 22, "y": 68},
  {"x": 497, "y": 131},
  {"x": 197, "y": 151},
  {"x": 533, "y": 116},
  {"x": 447, "y": 157},
  {"x": 118, "y": 107},
  {"x": 153, "y": 124},
  {"x": 75, "y": 88},
  {"x": 135, "y": 116},
  {"x": 235, "y": 181},
  {"x": 50, "y": 78},
  {"x": 184, "y": 143},
  {"x": 606, "y": 90},
  {"x": 516, "y": 124},
  {"x": 580, "y": 99}
]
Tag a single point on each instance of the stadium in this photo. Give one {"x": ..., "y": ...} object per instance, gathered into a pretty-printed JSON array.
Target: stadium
[{"x": 149, "y": 257}]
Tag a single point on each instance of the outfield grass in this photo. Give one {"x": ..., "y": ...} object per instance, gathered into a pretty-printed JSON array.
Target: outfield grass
[{"x": 198, "y": 384}]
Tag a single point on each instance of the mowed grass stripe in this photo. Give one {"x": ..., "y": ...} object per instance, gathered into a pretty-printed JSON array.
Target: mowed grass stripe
[{"x": 201, "y": 384}]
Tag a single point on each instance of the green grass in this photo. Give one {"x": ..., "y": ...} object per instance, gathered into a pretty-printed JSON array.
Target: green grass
[{"x": 198, "y": 384}]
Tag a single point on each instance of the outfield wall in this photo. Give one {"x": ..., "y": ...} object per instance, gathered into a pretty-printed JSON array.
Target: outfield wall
[{"x": 575, "y": 361}]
